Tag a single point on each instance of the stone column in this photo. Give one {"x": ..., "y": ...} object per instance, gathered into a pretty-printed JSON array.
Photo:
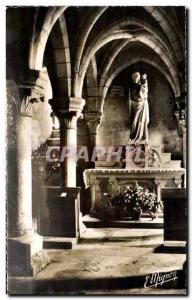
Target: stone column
[
  {"x": 68, "y": 117},
  {"x": 157, "y": 182},
  {"x": 93, "y": 121},
  {"x": 181, "y": 123},
  {"x": 113, "y": 185},
  {"x": 24, "y": 196},
  {"x": 94, "y": 185},
  {"x": 25, "y": 255},
  {"x": 68, "y": 142}
]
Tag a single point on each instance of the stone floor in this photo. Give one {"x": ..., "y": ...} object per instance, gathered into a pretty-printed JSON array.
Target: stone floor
[{"x": 106, "y": 261}]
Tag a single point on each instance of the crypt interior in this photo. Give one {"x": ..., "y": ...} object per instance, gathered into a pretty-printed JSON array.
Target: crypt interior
[{"x": 69, "y": 72}]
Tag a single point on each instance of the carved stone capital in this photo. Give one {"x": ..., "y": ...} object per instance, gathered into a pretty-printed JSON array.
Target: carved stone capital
[
  {"x": 178, "y": 181},
  {"x": 181, "y": 122},
  {"x": 93, "y": 121},
  {"x": 112, "y": 180},
  {"x": 28, "y": 106},
  {"x": 67, "y": 120},
  {"x": 35, "y": 88},
  {"x": 70, "y": 104},
  {"x": 180, "y": 115},
  {"x": 76, "y": 104},
  {"x": 157, "y": 181},
  {"x": 69, "y": 112}
]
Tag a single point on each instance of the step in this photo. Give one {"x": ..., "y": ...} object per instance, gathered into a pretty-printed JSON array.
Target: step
[
  {"x": 55, "y": 133},
  {"x": 50, "y": 242},
  {"x": 104, "y": 164},
  {"x": 172, "y": 164},
  {"x": 53, "y": 142},
  {"x": 166, "y": 157},
  {"x": 128, "y": 237},
  {"x": 144, "y": 222}
]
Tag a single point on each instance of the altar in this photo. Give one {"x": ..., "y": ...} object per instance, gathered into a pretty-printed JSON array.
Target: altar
[
  {"x": 110, "y": 181},
  {"x": 139, "y": 160}
]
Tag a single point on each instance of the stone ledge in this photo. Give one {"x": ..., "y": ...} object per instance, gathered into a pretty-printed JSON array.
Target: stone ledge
[
  {"x": 50, "y": 242},
  {"x": 179, "y": 171},
  {"x": 91, "y": 222}
]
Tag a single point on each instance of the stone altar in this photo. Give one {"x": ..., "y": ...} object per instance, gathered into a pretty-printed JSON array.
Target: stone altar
[
  {"x": 137, "y": 160},
  {"x": 101, "y": 181}
]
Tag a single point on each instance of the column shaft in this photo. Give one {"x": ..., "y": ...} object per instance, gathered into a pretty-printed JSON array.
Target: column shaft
[
  {"x": 68, "y": 144},
  {"x": 93, "y": 120},
  {"x": 24, "y": 196},
  {"x": 94, "y": 190},
  {"x": 70, "y": 162}
]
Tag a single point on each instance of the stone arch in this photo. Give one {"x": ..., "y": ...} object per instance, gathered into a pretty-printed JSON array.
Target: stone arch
[
  {"x": 161, "y": 17},
  {"x": 136, "y": 60},
  {"x": 40, "y": 35},
  {"x": 91, "y": 80},
  {"x": 85, "y": 32},
  {"x": 123, "y": 57},
  {"x": 143, "y": 37},
  {"x": 117, "y": 25},
  {"x": 109, "y": 60},
  {"x": 62, "y": 59}
]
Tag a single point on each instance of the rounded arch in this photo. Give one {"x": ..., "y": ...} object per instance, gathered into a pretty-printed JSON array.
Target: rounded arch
[
  {"x": 61, "y": 53},
  {"x": 136, "y": 60},
  {"x": 109, "y": 60},
  {"x": 85, "y": 32},
  {"x": 119, "y": 58},
  {"x": 143, "y": 37},
  {"x": 40, "y": 35},
  {"x": 117, "y": 25},
  {"x": 142, "y": 24},
  {"x": 163, "y": 18}
]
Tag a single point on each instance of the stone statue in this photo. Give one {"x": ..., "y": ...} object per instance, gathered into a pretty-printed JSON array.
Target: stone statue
[{"x": 138, "y": 108}]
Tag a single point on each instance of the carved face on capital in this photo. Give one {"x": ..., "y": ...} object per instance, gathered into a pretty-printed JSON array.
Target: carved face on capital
[{"x": 136, "y": 77}]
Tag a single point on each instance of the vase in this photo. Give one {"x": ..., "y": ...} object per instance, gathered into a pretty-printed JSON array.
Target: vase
[{"x": 136, "y": 215}]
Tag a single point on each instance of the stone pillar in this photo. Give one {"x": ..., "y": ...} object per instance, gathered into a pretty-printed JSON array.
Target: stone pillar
[
  {"x": 157, "y": 182},
  {"x": 68, "y": 142},
  {"x": 180, "y": 115},
  {"x": 24, "y": 195},
  {"x": 94, "y": 185},
  {"x": 184, "y": 148},
  {"x": 68, "y": 117},
  {"x": 93, "y": 121},
  {"x": 25, "y": 255},
  {"x": 113, "y": 185}
]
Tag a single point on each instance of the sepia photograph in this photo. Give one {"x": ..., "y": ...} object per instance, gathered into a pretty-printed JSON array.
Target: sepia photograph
[{"x": 96, "y": 150}]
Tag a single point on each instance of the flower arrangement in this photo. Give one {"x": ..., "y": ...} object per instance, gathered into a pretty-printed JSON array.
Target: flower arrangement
[{"x": 134, "y": 199}]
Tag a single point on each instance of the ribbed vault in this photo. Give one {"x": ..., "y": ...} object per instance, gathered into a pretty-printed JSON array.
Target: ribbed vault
[{"x": 101, "y": 36}]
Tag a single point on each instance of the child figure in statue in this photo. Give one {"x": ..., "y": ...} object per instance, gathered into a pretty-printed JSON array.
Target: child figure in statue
[{"x": 138, "y": 108}]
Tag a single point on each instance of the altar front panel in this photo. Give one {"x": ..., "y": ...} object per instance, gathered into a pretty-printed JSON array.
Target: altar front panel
[{"x": 102, "y": 182}]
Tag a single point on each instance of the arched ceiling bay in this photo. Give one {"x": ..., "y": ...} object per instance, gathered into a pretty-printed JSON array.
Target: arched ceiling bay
[{"x": 101, "y": 34}]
